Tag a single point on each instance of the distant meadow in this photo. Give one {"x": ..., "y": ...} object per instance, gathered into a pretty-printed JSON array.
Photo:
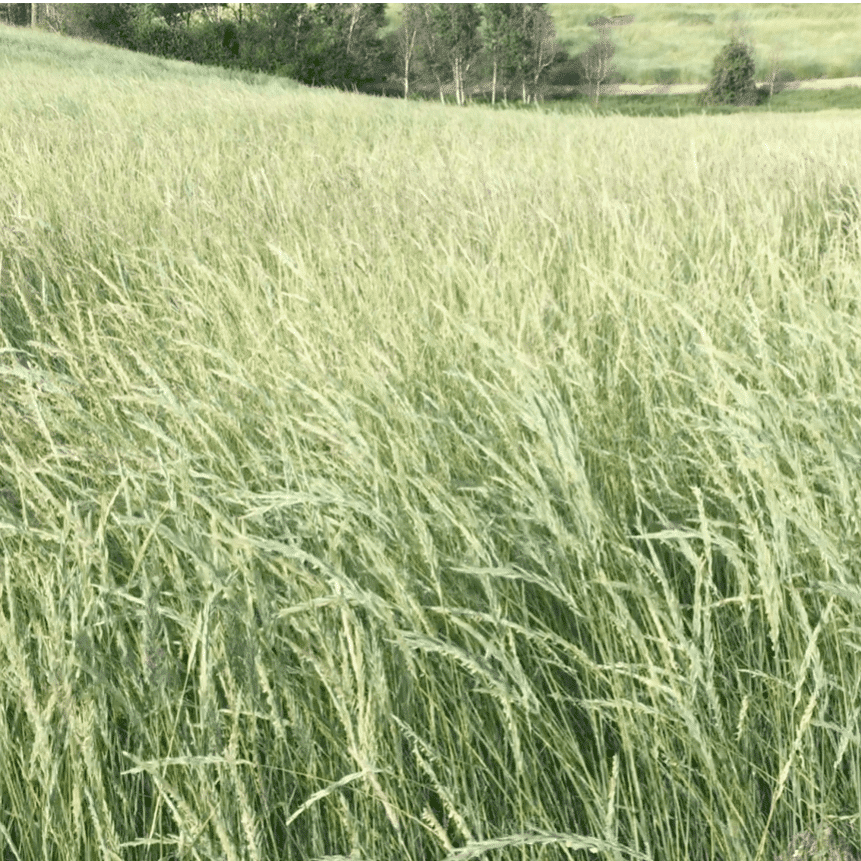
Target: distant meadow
[
  {"x": 678, "y": 41},
  {"x": 384, "y": 480}
]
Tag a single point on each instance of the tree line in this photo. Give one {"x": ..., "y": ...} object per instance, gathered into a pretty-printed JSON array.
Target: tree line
[
  {"x": 517, "y": 41},
  {"x": 503, "y": 51}
]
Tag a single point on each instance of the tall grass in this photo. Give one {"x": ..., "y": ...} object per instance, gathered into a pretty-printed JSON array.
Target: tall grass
[{"x": 381, "y": 481}]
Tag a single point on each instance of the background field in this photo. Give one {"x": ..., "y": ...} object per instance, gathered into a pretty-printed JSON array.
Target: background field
[
  {"x": 381, "y": 481},
  {"x": 681, "y": 39},
  {"x": 812, "y": 39}
]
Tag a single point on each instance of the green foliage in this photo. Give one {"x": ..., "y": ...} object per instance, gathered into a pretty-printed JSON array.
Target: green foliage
[
  {"x": 456, "y": 26},
  {"x": 540, "y": 47},
  {"x": 667, "y": 76},
  {"x": 151, "y": 34},
  {"x": 319, "y": 44},
  {"x": 566, "y": 71},
  {"x": 343, "y": 46},
  {"x": 451, "y": 42},
  {"x": 783, "y": 78},
  {"x": 810, "y": 70},
  {"x": 15, "y": 14},
  {"x": 696, "y": 19},
  {"x": 733, "y": 79},
  {"x": 112, "y": 23},
  {"x": 506, "y": 41},
  {"x": 176, "y": 14},
  {"x": 521, "y": 43}
]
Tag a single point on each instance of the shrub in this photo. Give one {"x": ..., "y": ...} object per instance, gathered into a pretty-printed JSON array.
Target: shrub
[
  {"x": 667, "y": 76},
  {"x": 733, "y": 73},
  {"x": 810, "y": 71},
  {"x": 566, "y": 71},
  {"x": 695, "y": 18},
  {"x": 783, "y": 79}
]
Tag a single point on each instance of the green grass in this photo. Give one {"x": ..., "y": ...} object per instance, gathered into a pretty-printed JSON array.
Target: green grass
[
  {"x": 385, "y": 481},
  {"x": 811, "y": 39},
  {"x": 790, "y": 102}
]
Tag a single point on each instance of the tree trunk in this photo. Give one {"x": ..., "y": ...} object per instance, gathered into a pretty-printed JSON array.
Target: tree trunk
[
  {"x": 535, "y": 84},
  {"x": 33, "y": 14},
  {"x": 461, "y": 74},
  {"x": 409, "y": 47},
  {"x": 406, "y": 77},
  {"x": 493, "y": 91},
  {"x": 354, "y": 18}
]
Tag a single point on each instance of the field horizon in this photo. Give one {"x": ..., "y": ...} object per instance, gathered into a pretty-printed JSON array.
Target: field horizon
[{"x": 382, "y": 480}]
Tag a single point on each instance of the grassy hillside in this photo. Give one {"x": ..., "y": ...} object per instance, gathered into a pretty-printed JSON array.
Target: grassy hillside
[
  {"x": 386, "y": 481},
  {"x": 813, "y": 39}
]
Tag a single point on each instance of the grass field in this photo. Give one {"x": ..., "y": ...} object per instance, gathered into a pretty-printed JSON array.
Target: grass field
[
  {"x": 380, "y": 480},
  {"x": 683, "y": 38},
  {"x": 680, "y": 40}
]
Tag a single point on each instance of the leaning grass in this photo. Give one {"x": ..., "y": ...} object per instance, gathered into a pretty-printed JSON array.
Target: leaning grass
[{"x": 366, "y": 492}]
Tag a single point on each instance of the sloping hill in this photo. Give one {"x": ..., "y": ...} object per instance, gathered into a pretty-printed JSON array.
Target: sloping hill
[
  {"x": 385, "y": 481},
  {"x": 40, "y": 51}
]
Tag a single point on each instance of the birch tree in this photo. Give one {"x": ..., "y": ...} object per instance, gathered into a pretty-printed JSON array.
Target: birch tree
[
  {"x": 540, "y": 43},
  {"x": 597, "y": 60},
  {"x": 521, "y": 40},
  {"x": 411, "y": 23},
  {"x": 504, "y": 43},
  {"x": 451, "y": 42}
]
